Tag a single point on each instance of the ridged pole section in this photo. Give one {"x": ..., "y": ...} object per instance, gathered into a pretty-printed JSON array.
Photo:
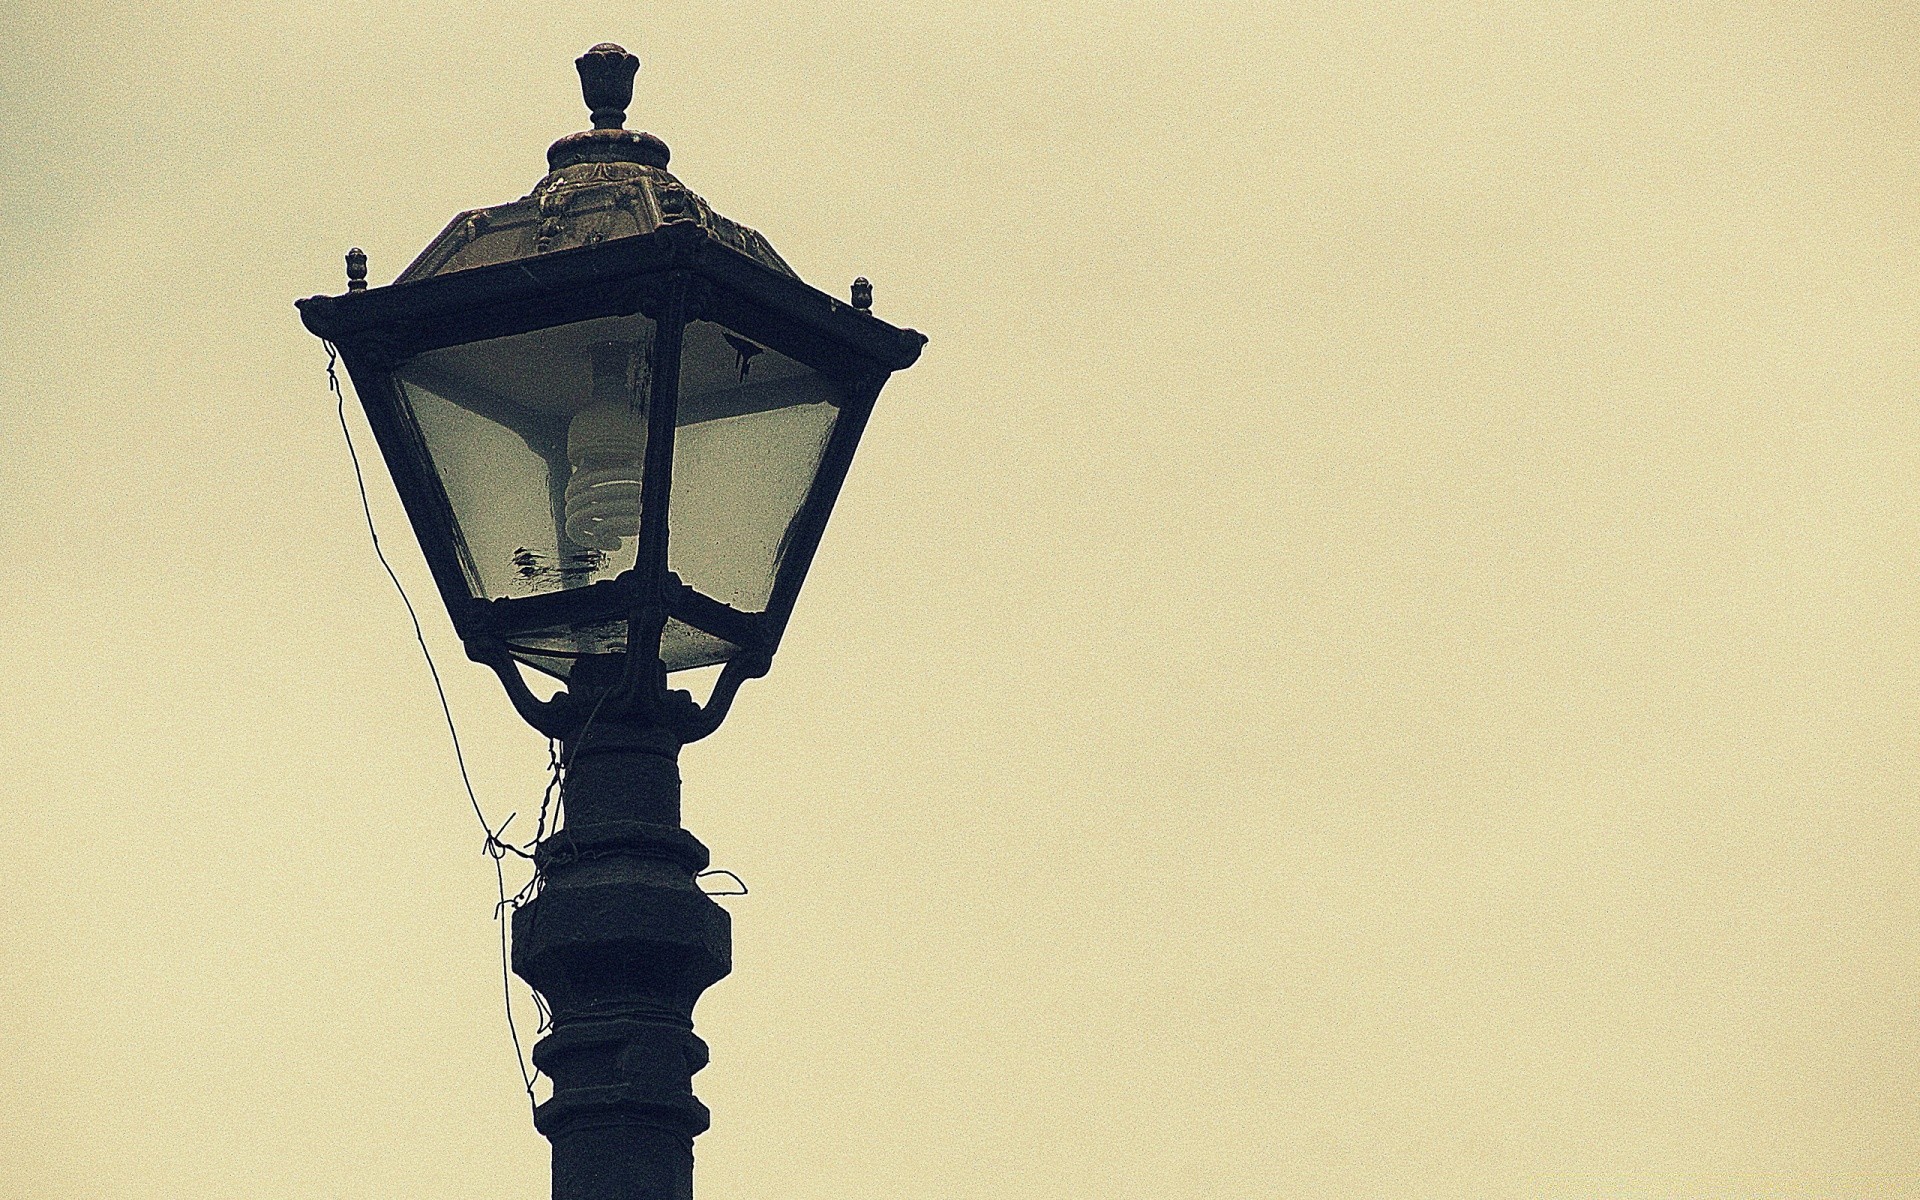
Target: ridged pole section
[{"x": 621, "y": 942}]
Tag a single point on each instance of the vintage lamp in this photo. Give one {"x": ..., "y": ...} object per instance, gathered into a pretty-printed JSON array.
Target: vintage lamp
[{"x": 617, "y": 422}]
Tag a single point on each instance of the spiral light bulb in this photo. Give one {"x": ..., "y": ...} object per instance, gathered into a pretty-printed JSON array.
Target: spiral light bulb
[{"x": 607, "y": 449}]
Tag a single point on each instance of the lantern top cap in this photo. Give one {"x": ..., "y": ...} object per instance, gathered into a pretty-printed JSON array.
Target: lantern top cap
[{"x": 606, "y": 84}]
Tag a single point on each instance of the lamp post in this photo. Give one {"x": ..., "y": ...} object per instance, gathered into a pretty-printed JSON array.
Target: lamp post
[{"x": 617, "y": 422}]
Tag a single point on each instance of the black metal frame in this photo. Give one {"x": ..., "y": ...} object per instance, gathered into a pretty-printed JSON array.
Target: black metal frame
[{"x": 675, "y": 274}]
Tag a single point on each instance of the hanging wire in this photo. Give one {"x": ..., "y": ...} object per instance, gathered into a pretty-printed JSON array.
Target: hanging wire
[
  {"x": 553, "y": 788},
  {"x": 552, "y": 801},
  {"x": 579, "y": 739},
  {"x": 739, "y": 888},
  {"x": 494, "y": 847},
  {"x": 527, "y": 1077}
]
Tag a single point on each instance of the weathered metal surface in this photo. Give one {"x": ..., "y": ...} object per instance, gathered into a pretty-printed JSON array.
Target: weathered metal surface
[{"x": 621, "y": 941}]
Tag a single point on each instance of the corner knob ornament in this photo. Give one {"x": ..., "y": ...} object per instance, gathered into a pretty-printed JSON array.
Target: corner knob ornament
[{"x": 606, "y": 83}]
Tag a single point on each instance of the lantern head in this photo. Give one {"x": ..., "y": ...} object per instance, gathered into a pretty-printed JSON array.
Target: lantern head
[{"x": 617, "y": 420}]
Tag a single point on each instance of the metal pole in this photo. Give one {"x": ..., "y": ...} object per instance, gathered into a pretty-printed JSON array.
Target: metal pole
[{"x": 621, "y": 942}]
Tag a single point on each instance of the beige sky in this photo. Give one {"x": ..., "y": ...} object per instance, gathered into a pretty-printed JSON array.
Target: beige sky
[{"x": 1373, "y": 657}]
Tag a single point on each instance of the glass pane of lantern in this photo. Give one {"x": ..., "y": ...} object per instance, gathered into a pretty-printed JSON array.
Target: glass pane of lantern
[
  {"x": 538, "y": 440},
  {"x": 683, "y": 646},
  {"x": 556, "y": 650},
  {"x": 752, "y": 426}
]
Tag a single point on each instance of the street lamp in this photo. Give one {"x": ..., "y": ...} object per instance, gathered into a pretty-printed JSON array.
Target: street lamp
[{"x": 617, "y": 422}]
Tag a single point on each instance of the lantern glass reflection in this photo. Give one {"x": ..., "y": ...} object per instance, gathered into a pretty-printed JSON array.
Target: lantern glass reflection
[
  {"x": 751, "y": 430},
  {"x": 537, "y": 441}
]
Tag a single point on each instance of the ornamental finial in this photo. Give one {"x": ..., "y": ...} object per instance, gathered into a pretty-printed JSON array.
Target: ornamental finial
[{"x": 606, "y": 83}]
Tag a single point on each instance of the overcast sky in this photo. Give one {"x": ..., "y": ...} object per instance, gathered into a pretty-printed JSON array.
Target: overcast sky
[{"x": 1374, "y": 655}]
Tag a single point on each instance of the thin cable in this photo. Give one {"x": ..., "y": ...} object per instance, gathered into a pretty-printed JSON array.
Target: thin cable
[
  {"x": 495, "y": 848},
  {"x": 553, "y": 785},
  {"x": 366, "y": 509},
  {"x": 506, "y": 976},
  {"x": 739, "y": 891},
  {"x": 579, "y": 739}
]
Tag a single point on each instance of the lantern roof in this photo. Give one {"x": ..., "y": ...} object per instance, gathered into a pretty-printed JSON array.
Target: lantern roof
[{"x": 603, "y": 183}]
